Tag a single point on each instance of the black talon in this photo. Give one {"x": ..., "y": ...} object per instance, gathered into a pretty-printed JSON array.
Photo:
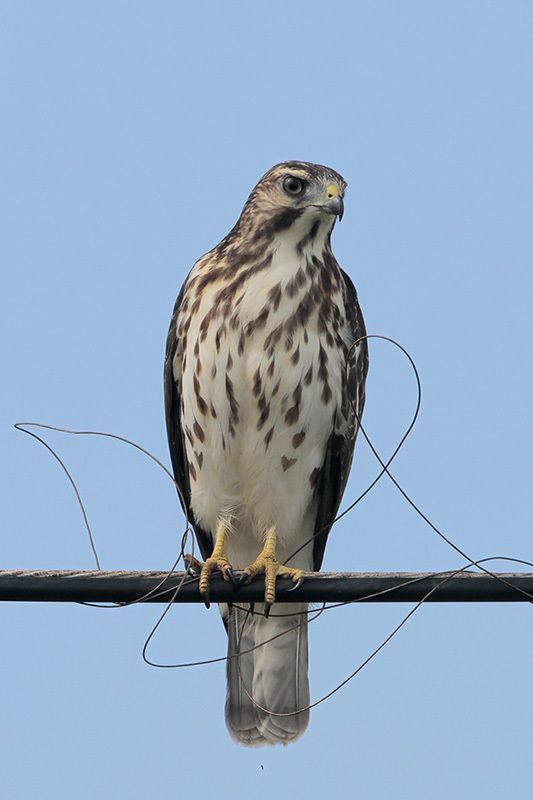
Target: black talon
[
  {"x": 252, "y": 608},
  {"x": 207, "y": 599},
  {"x": 231, "y": 576},
  {"x": 268, "y": 606},
  {"x": 296, "y": 585},
  {"x": 242, "y": 579}
]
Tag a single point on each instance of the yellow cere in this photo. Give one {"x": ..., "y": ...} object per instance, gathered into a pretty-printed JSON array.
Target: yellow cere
[{"x": 332, "y": 190}]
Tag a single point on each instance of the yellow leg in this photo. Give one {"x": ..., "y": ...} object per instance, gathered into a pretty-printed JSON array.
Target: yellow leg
[
  {"x": 266, "y": 564},
  {"x": 218, "y": 560}
]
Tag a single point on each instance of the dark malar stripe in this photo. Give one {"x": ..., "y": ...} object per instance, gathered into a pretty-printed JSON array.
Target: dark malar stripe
[{"x": 283, "y": 220}]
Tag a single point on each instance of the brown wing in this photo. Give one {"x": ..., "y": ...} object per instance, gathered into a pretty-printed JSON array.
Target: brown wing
[
  {"x": 175, "y": 432},
  {"x": 339, "y": 454}
]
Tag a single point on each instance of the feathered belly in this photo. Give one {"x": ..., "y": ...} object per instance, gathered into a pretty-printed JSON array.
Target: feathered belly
[{"x": 257, "y": 425}]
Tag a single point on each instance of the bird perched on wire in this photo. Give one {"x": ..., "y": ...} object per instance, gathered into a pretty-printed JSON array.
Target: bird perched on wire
[{"x": 265, "y": 373}]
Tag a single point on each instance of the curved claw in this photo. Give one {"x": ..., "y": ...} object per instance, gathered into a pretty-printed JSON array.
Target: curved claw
[
  {"x": 242, "y": 580},
  {"x": 207, "y": 600},
  {"x": 229, "y": 575},
  {"x": 296, "y": 585},
  {"x": 268, "y": 606}
]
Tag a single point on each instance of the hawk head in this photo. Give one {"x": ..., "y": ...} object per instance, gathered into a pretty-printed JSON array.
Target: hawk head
[{"x": 295, "y": 189}]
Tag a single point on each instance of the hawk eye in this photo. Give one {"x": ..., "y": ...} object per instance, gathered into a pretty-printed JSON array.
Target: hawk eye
[{"x": 293, "y": 185}]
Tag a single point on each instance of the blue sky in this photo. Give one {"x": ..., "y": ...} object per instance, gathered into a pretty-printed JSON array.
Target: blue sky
[{"x": 132, "y": 134}]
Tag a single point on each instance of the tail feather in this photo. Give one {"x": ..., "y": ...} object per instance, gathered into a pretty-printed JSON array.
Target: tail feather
[{"x": 271, "y": 681}]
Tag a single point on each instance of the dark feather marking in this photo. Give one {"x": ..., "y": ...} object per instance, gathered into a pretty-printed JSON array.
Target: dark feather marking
[
  {"x": 296, "y": 356},
  {"x": 234, "y": 406},
  {"x": 324, "y": 315},
  {"x": 198, "y": 430},
  {"x": 268, "y": 437},
  {"x": 305, "y": 308},
  {"x": 287, "y": 463},
  {"x": 273, "y": 338},
  {"x": 214, "y": 274},
  {"x": 322, "y": 364},
  {"x": 192, "y": 470},
  {"x": 314, "y": 478},
  {"x": 315, "y": 294},
  {"x": 194, "y": 308},
  {"x": 274, "y": 296},
  {"x": 259, "y": 322},
  {"x": 202, "y": 405},
  {"x": 308, "y": 377},
  {"x": 270, "y": 370},
  {"x": 257, "y": 383},
  {"x": 199, "y": 458},
  {"x": 282, "y": 221},
  {"x": 297, "y": 439},
  {"x": 310, "y": 268},
  {"x": 227, "y": 293},
  {"x": 295, "y": 283},
  {"x": 263, "y": 416},
  {"x": 291, "y": 417},
  {"x": 204, "y": 325},
  {"x": 290, "y": 326}
]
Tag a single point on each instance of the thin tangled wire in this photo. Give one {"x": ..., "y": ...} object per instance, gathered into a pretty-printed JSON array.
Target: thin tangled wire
[
  {"x": 373, "y": 654},
  {"x": 312, "y": 614}
]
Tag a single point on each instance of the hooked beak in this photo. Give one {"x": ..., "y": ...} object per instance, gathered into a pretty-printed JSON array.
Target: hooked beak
[
  {"x": 333, "y": 202},
  {"x": 334, "y": 205}
]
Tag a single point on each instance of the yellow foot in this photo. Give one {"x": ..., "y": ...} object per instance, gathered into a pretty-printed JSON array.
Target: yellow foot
[
  {"x": 217, "y": 561},
  {"x": 266, "y": 564}
]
